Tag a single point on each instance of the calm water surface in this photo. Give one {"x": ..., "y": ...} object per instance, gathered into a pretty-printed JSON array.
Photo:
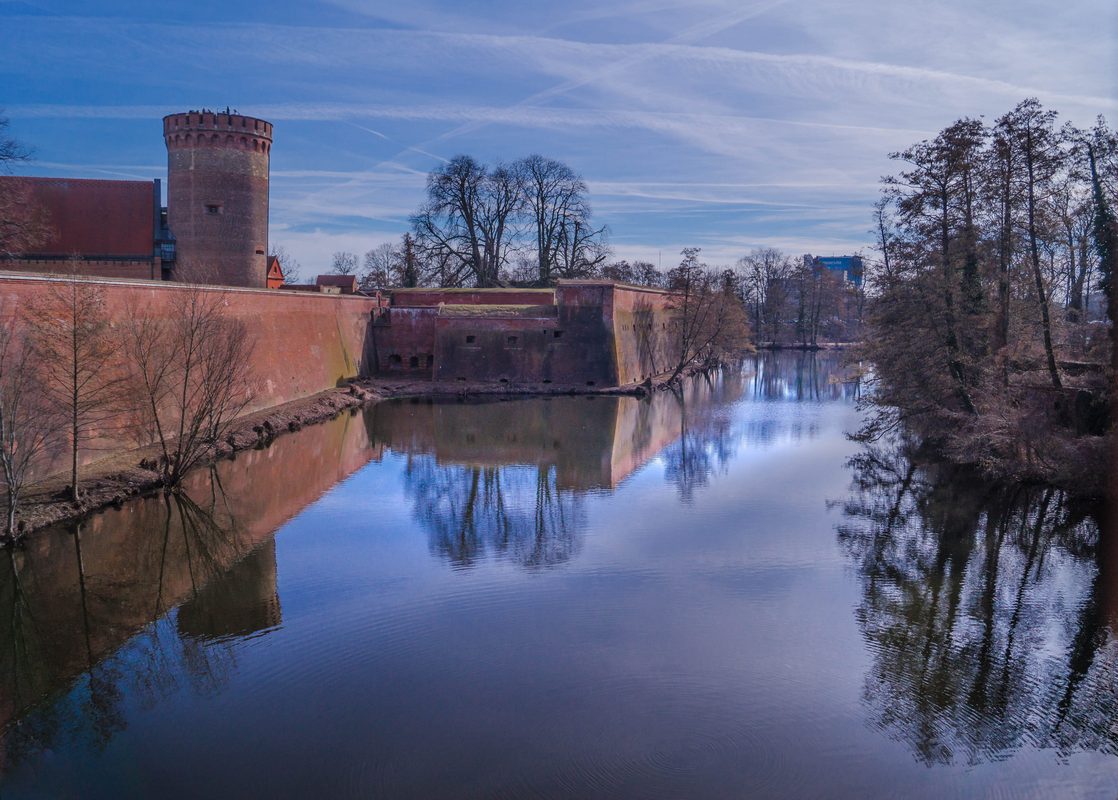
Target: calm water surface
[{"x": 716, "y": 595}]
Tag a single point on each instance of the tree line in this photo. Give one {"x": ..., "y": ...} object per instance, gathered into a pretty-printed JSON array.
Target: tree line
[
  {"x": 797, "y": 301},
  {"x": 528, "y": 223},
  {"x": 988, "y": 317}
]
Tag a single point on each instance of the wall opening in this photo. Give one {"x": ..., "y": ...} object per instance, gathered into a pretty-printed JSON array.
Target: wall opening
[
  {"x": 213, "y": 208},
  {"x": 413, "y": 362},
  {"x": 395, "y": 360},
  {"x": 430, "y": 360},
  {"x": 514, "y": 339},
  {"x": 558, "y": 334},
  {"x": 470, "y": 339}
]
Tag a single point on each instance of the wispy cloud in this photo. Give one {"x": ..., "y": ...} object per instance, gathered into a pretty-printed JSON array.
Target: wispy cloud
[{"x": 726, "y": 123}]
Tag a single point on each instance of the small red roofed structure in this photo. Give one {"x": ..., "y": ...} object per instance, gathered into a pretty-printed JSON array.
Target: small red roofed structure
[
  {"x": 275, "y": 273},
  {"x": 336, "y": 284}
]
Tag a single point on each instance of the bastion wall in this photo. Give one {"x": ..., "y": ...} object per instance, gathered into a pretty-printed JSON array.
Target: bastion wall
[{"x": 580, "y": 334}]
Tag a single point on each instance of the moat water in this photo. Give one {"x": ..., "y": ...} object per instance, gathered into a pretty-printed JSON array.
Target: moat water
[{"x": 710, "y": 595}]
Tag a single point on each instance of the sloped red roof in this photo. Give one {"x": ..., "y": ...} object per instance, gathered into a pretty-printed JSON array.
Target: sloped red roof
[
  {"x": 345, "y": 282},
  {"x": 93, "y": 217}
]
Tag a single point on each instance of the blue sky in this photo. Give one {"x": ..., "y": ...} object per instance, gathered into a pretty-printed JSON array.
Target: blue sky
[{"x": 723, "y": 124}]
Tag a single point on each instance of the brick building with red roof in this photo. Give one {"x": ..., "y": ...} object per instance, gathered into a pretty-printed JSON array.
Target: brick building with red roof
[{"x": 107, "y": 228}]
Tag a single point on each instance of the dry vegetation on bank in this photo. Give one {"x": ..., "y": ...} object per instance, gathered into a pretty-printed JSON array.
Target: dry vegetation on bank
[{"x": 988, "y": 325}]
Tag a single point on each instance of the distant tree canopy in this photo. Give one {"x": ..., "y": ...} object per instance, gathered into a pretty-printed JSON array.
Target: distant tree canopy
[
  {"x": 527, "y": 221},
  {"x": 986, "y": 320},
  {"x": 796, "y": 300}
]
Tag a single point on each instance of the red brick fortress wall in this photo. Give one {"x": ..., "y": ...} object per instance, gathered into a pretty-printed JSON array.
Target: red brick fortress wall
[
  {"x": 580, "y": 334},
  {"x": 304, "y": 343},
  {"x": 217, "y": 196},
  {"x": 643, "y": 338}
]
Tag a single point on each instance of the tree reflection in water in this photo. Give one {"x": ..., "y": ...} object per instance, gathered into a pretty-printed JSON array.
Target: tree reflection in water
[
  {"x": 707, "y": 441},
  {"x": 79, "y": 634},
  {"x": 514, "y": 512},
  {"x": 985, "y": 610},
  {"x": 802, "y": 376},
  {"x": 507, "y": 479}
]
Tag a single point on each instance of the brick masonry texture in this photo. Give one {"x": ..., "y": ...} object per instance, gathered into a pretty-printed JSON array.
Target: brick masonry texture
[
  {"x": 217, "y": 196},
  {"x": 582, "y": 333},
  {"x": 304, "y": 343}
]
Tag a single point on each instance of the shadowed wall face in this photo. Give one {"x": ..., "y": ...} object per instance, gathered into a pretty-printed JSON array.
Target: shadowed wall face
[{"x": 217, "y": 196}]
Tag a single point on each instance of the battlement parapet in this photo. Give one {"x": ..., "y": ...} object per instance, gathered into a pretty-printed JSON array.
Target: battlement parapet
[{"x": 210, "y": 129}]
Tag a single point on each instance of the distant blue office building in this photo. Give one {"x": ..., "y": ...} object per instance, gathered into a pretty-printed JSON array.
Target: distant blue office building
[{"x": 850, "y": 266}]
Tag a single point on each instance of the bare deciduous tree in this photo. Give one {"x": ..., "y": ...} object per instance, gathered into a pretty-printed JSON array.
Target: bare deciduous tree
[
  {"x": 76, "y": 352},
  {"x": 383, "y": 267},
  {"x": 11, "y": 150},
  {"x": 567, "y": 245},
  {"x": 765, "y": 273},
  {"x": 27, "y": 427},
  {"x": 189, "y": 376},
  {"x": 344, "y": 263},
  {"x": 640, "y": 273},
  {"x": 708, "y": 320},
  {"x": 23, "y": 222},
  {"x": 1032, "y": 129},
  {"x": 466, "y": 224}
]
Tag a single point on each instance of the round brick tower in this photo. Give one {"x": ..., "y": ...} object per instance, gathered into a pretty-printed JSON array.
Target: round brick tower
[{"x": 217, "y": 196}]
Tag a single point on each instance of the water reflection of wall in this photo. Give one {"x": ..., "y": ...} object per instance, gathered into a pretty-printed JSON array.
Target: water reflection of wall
[
  {"x": 242, "y": 601},
  {"x": 988, "y": 612},
  {"x": 73, "y": 597},
  {"x": 507, "y": 478},
  {"x": 589, "y": 442}
]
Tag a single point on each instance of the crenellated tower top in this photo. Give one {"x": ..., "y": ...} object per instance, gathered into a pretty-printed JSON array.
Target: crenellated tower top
[{"x": 217, "y": 129}]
